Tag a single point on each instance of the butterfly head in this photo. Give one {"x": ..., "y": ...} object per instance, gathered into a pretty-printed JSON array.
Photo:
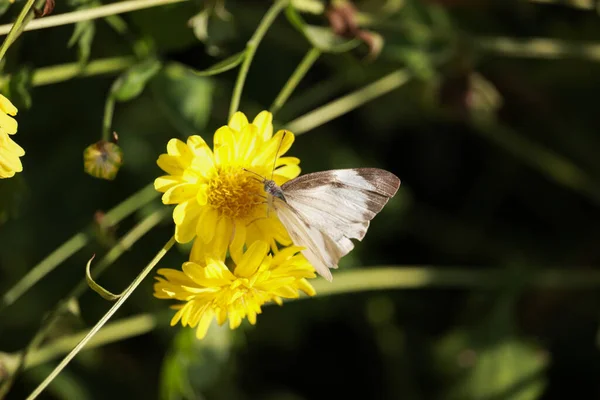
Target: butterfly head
[{"x": 273, "y": 189}]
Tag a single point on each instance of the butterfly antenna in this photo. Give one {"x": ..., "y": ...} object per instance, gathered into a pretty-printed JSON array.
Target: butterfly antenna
[
  {"x": 262, "y": 178},
  {"x": 277, "y": 154}
]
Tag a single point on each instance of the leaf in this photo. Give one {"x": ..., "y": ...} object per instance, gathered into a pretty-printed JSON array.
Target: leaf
[
  {"x": 223, "y": 66},
  {"x": 320, "y": 37},
  {"x": 131, "y": 84},
  {"x": 19, "y": 86},
  {"x": 193, "y": 365},
  {"x": 83, "y": 35},
  {"x": 185, "y": 97},
  {"x": 4, "y": 5},
  {"x": 491, "y": 362},
  {"x": 214, "y": 27}
]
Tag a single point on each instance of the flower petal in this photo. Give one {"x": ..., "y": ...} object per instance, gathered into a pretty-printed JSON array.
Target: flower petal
[
  {"x": 238, "y": 121},
  {"x": 207, "y": 223},
  {"x": 179, "y": 193},
  {"x": 264, "y": 123},
  {"x": 252, "y": 259},
  {"x": 7, "y": 107}
]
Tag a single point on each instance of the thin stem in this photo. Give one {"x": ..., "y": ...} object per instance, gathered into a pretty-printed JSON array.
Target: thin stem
[
  {"x": 15, "y": 29},
  {"x": 76, "y": 243},
  {"x": 251, "y": 47},
  {"x": 136, "y": 282},
  {"x": 109, "y": 109},
  {"x": 309, "y": 59},
  {"x": 91, "y": 13},
  {"x": 348, "y": 102},
  {"x": 539, "y": 48},
  {"x": 581, "y": 4}
]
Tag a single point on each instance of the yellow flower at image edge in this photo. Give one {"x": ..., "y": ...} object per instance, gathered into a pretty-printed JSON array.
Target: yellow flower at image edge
[
  {"x": 10, "y": 152},
  {"x": 208, "y": 289},
  {"x": 214, "y": 192}
]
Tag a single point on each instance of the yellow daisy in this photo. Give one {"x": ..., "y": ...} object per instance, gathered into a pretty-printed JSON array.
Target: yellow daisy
[
  {"x": 208, "y": 289},
  {"x": 214, "y": 192},
  {"x": 10, "y": 152}
]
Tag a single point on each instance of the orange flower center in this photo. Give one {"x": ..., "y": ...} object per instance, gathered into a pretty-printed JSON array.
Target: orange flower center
[{"x": 235, "y": 193}]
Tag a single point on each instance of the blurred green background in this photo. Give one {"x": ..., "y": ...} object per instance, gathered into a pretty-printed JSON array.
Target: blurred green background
[{"x": 495, "y": 138}]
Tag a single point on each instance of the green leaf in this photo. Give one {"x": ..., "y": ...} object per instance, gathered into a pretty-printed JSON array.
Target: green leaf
[
  {"x": 185, "y": 97},
  {"x": 83, "y": 35},
  {"x": 131, "y": 84},
  {"x": 491, "y": 361},
  {"x": 4, "y": 5},
  {"x": 193, "y": 365},
  {"x": 19, "y": 87},
  {"x": 320, "y": 37},
  {"x": 225, "y": 65}
]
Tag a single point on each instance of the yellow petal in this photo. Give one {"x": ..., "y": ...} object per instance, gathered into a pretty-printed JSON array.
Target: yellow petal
[
  {"x": 238, "y": 121},
  {"x": 247, "y": 144},
  {"x": 252, "y": 259},
  {"x": 287, "y": 160},
  {"x": 177, "y": 148},
  {"x": 10, "y": 161},
  {"x": 6, "y": 106},
  {"x": 222, "y": 237},
  {"x": 285, "y": 173},
  {"x": 196, "y": 142},
  {"x": 202, "y": 195},
  {"x": 236, "y": 248},
  {"x": 170, "y": 164},
  {"x": 204, "y": 162},
  {"x": 264, "y": 123},
  {"x": 278, "y": 145},
  {"x": 207, "y": 223},
  {"x": 179, "y": 193},
  {"x": 204, "y": 323},
  {"x": 186, "y": 231},
  {"x": 13, "y": 147},
  {"x": 163, "y": 183},
  {"x": 186, "y": 210},
  {"x": 8, "y": 124},
  {"x": 224, "y": 144}
]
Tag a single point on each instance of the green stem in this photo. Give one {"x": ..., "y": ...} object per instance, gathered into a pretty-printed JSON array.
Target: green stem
[
  {"x": 76, "y": 243},
  {"x": 91, "y": 13},
  {"x": 581, "y": 4},
  {"x": 539, "y": 48},
  {"x": 309, "y": 59},
  {"x": 103, "y": 320},
  {"x": 348, "y": 102},
  {"x": 251, "y": 47},
  {"x": 16, "y": 28},
  {"x": 359, "y": 280},
  {"x": 109, "y": 110}
]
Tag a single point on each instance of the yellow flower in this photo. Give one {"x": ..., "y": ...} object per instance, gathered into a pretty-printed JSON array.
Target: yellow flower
[
  {"x": 208, "y": 289},
  {"x": 214, "y": 192},
  {"x": 9, "y": 150}
]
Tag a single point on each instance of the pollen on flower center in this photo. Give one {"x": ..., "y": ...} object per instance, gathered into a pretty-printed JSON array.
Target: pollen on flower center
[{"x": 234, "y": 193}]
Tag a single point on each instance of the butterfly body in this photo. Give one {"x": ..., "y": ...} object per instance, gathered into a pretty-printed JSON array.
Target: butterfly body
[{"x": 323, "y": 211}]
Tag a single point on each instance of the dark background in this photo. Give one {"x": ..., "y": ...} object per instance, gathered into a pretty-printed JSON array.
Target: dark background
[{"x": 498, "y": 156}]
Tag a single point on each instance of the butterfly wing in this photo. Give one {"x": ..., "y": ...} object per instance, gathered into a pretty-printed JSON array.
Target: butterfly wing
[{"x": 324, "y": 210}]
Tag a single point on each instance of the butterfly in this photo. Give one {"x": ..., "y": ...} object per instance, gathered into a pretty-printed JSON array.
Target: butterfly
[{"x": 323, "y": 211}]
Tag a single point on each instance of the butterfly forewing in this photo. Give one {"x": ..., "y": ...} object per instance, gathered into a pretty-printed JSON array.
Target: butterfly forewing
[{"x": 324, "y": 210}]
